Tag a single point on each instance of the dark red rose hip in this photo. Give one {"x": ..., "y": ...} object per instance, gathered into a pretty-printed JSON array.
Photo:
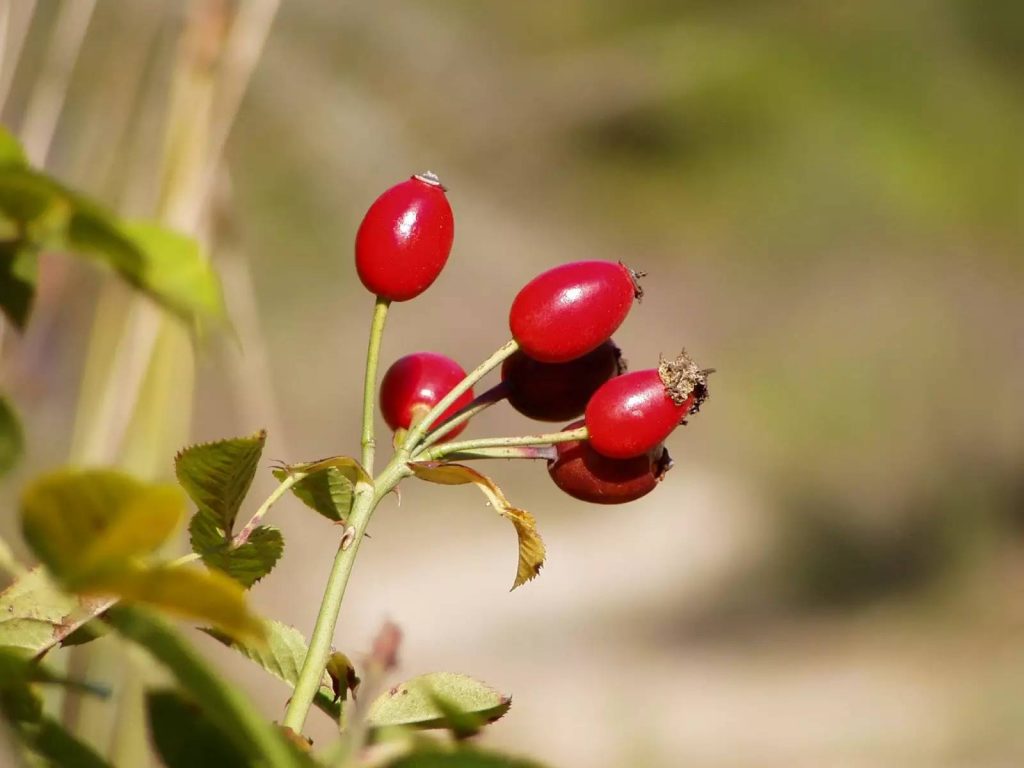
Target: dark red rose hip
[
  {"x": 567, "y": 311},
  {"x": 631, "y": 414},
  {"x": 416, "y": 383},
  {"x": 404, "y": 239},
  {"x": 559, "y": 391},
  {"x": 585, "y": 474}
]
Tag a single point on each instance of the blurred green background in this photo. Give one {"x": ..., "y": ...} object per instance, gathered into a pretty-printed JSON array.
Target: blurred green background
[{"x": 829, "y": 201}]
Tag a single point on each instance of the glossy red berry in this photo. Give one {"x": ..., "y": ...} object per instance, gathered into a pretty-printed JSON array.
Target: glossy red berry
[
  {"x": 631, "y": 414},
  {"x": 559, "y": 391},
  {"x": 585, "y": 474},
  {"x": 404, "y": 239},
  {"x": 416, "y": 383},
  {"x": 567, "y": 311}
]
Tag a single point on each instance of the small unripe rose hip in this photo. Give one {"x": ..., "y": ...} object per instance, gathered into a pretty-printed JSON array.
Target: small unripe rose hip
[
  {"x": 567, "y": 311},
  {"x": 585, "y": 474},
  {"x": 559, "y": 391},
  {"x": 632, "y": 413},
  {"x": 416, "y": 383},
  {"x": 404, "y": 239}
]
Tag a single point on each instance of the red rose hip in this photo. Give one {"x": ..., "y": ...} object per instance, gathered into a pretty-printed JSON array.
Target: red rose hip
[
  {"x": 559, "y": 391},
  {"x": 585, "y": 474},
  {"x": 416, "y": 383},
  {"x": 567, "y": 311},
  {"x": 404, "y": 239},
  {"x": 631, "y": 414}
]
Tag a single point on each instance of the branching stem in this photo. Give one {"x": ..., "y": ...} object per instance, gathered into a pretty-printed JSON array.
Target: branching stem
[
  {"x": 462, "y": 446},
  {"x": 416, "y": 434}
]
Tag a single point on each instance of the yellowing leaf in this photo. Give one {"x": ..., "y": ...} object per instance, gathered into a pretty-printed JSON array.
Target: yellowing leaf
[
  {"x": 80, "y": 522},
  {"x": 207, "y": 596},
  {"x": 531, "y": 547},
  {"x": 217, "y": 475},
  {"x": 415, "y": 703},
  {"x": 36, "y": 615}
]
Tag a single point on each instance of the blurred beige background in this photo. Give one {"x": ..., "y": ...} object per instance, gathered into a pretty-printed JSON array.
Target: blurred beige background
[{"x": 829, "y": 201}]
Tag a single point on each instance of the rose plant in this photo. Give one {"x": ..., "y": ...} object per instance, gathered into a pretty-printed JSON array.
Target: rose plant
[{"x": 100, "y": 534}]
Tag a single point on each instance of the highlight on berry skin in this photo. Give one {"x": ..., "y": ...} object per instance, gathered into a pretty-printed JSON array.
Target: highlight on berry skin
[
  {"x": 585, "y": 474},
  {"x": 631, "y": 414},
  {"x": 405, "y": 239},
  {"x": 569, "y": 310},
  {"x": 416, "y": 383}
]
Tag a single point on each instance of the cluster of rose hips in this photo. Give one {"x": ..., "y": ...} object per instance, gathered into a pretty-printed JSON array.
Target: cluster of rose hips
[{"x": 566, "y": 365}]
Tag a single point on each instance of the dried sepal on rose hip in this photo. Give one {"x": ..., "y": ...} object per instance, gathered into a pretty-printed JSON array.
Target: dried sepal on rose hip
[
  {"x": 404, "y": 239},
  {"x": 632, "y": 413},
  {"x": 416, "y": 383},
  {"x": 567, "y": 311},
  {"x": 559, "y": 391},
  {"x": 585, "y": 474}
]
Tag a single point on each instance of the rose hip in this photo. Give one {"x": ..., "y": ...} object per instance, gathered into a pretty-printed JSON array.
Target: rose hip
[
  {"x": 416, "y": 383},
  {"x": 630, "y": 414},
  {"x": 404, "y": 239},
  {"x": 585, "y": 474},
  {"x": 567, "y": 311},
  {"x": 559, "y": 391}
]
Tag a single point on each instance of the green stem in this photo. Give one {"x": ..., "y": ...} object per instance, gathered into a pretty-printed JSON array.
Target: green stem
[
  {"x": 440, "y": 451},
  {"x": 416, "y": 434},
  {"x": 380, "y": 314},
  {"x": 367, "y": 498},
  {"x": 482, "y": 402},
  {"x": 243, "y": 535},
  {"x": 505, "y": 452}
]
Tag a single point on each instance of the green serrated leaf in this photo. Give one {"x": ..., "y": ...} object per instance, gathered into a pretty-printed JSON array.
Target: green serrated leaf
[
  {"x": 176, "y": 272},
  {"x": 459, "y": 756},
  {"x": 11, "y": 153},
  {"x": 414, "y": 703},
  {"x": 83, "y": 523},
  {"x": 247, "y": 563},
  {"x": 166, "y": 265},
  {"x": 35, "y": 203},
  {"x": 328, "y": 492},
  {"x": 36, "y": 615},
  {"x": 223, "y": 704},
  {"x": 185, "y": 738},
  {"x": 217, "y": 475},
  {"x": 207, "y": 596},
  {"x": 12, "y": 441},
  {"x": 282, "y": 655},
  {"x": 19, "y": 269}
]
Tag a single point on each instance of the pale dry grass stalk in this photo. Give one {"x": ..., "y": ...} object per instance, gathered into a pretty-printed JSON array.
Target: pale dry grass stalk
[
  {"x": 15, "y": 32},
  {"x": 49, "y": 92}
]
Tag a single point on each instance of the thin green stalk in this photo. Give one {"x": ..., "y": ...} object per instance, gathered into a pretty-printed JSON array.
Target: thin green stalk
[
  {"x": 416, "y": 434},
  {"x": 380, "y": 314},
  {"x": 440, "y": 451},
  {"x": 482, "y": 402},
  {"x": 286, "y": 485},
  {"x": 367, "y": 498},
  {"x": 505, "y": 452}
]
